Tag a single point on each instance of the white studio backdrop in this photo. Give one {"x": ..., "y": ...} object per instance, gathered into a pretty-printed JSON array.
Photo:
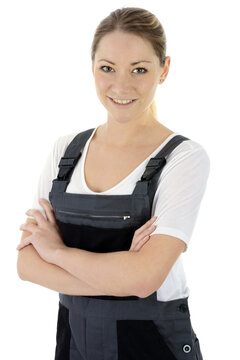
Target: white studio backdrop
[{"x": 47, "y": 90}]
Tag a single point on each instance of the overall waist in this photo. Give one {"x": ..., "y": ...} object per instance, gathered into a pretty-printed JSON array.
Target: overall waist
[{"x": 142, "y": 308}]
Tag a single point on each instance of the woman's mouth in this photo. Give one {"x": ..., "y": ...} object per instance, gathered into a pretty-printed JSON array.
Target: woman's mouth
[{"x": 126, "y": 104}]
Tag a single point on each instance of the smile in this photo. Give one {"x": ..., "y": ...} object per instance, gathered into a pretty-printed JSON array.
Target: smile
[{"x": 122, "y": 103}]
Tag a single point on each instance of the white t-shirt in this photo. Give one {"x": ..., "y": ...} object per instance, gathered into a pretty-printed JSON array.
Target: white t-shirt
[{"x": 181, "y": 186}]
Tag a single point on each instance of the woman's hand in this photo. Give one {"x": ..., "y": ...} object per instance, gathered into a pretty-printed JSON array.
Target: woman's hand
[
  {"x": 142, "y": 234},
  {"x": 45, "y": 236}
]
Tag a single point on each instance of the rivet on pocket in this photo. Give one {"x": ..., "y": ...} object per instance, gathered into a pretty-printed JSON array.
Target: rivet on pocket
[{"x": 186, "y": 348}]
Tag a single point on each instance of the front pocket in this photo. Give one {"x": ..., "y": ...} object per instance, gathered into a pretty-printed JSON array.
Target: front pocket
[{"x": 140, "y": 339}]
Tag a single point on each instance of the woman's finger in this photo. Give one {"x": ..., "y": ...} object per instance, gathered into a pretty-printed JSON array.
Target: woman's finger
[
  {"x": 31, "y": 227},
  {"x": 148, "y": 230},
  {"x": 146, "y": 225},
  {"x": 24, "y": 243},
  {"x": 38, "y": 216},
  {"x": 140, "y": 243},
  {"x": 140, "y": 239},
  {"x": 48, "y": 210}
]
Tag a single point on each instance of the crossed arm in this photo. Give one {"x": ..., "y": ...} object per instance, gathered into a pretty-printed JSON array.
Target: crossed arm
[
  {"x": 122, "y": 273},
  {"x": 31, "y": 267}
]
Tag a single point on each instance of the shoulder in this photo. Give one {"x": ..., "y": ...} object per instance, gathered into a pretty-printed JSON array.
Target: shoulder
[
  {"x": 190, "y": 148},
  {"x": 189, "y": 155},
  {"x": 61, "y": 144},
  {"x": 64, "y": 140}
]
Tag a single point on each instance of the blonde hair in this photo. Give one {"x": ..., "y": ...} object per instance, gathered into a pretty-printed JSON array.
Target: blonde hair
[
  {"x": 153, "y": 108},
  {"x": 138, "y": 21}
]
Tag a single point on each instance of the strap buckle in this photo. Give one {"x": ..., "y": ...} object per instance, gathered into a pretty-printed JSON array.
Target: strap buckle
[
  {"x": 66, "y": 161},
  {"x": 66, "y": 166},
  {"x": 152, "y": 167}
]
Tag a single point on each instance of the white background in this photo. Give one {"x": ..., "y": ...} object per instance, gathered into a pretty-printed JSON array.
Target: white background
[{"x": 47, "y": 90}]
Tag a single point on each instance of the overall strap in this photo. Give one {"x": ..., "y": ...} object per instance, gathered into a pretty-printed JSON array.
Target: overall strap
[
  {"x": 69, "y": 161},
  {"x": 148, "y": 182}
]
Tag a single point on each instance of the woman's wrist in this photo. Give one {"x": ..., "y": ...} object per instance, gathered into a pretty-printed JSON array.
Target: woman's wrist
[{"x": 58, "y": 255}]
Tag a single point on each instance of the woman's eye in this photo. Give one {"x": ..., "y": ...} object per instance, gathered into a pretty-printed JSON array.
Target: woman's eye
[
  {"x": 109, "y": 67},
  {"x": 105, "y": 67},
  {"x": 145, "y": 70}
]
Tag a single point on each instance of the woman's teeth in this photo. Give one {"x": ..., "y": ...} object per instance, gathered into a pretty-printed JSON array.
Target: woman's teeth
[{"x": 122, "y": 101}]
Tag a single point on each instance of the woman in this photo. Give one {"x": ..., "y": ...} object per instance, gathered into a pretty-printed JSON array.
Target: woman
[{"x": 122, "y": 289}]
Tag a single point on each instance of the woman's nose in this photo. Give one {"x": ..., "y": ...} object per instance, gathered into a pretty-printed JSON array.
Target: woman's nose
[{"x": 122, "y": 84}]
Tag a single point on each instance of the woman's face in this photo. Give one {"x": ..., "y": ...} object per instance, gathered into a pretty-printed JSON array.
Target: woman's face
[{"x": 117, "y": 78}]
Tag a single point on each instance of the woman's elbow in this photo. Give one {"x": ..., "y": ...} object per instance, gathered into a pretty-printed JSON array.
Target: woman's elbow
[
  {"x": 24, "y": 253},
  {"x": 20, "y": 265},
  {"x": 24, "y": 261}
]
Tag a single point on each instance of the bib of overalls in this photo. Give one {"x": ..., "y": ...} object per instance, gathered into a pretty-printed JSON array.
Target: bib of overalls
[{"x": 106, "y": 223}]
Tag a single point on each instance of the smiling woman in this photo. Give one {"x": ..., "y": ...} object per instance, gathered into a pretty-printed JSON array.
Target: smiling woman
[
  {"x": 122, "y": 287},
  {"x": 123, "y": 80}
]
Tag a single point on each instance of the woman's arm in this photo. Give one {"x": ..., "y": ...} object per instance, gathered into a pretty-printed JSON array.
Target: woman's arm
[
  {"x": 115, "y": 273},
  {"x": 118, "y": 273},
  {"x": 31, "y": 267}
]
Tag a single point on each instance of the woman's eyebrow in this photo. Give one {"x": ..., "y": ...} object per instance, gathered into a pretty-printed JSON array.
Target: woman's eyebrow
[{"x": 134, "y": 63}]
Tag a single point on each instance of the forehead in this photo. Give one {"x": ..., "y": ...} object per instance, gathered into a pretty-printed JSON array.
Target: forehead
[{"x": 119, "y": 45}]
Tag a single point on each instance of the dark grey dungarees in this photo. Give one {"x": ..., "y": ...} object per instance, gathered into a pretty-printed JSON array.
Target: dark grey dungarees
[{"x": 113, "y": 327}]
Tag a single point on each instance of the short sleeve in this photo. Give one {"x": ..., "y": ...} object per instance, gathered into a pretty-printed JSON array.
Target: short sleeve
[
  {"x": 180, "y": 190},
  {"x": 50, "y": 170}
]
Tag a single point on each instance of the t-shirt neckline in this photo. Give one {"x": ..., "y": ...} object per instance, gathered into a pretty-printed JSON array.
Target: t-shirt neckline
[{"x": 130, "y": 174}]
